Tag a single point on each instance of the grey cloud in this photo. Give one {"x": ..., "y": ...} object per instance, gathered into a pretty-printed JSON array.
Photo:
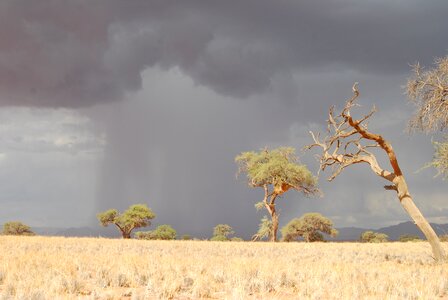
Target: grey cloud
[{"x": 78, "y": 53}]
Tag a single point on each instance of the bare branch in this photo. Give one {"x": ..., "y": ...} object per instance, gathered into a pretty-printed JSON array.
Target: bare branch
[
  {"x": 344, "y": 145},
  {"x": 391, "y": 188},
  {"x": 428, "y": 91}
]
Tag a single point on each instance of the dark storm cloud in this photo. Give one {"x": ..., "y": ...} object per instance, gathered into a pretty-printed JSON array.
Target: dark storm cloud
[{"x": 78, "y": 53}]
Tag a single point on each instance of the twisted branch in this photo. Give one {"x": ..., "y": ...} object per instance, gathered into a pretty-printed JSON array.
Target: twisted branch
[{"x": 344, "y": 145}]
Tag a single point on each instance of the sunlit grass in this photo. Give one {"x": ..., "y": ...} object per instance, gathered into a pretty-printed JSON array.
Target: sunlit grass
[{"x": 54, "y": 267}]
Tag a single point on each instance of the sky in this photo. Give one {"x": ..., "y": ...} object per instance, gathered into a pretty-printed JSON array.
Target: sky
[{"x": 104, "y": 104}]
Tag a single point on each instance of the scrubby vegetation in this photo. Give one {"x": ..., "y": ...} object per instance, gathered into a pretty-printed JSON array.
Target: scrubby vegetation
[
  {"x": 222, "y": 232},
  {"x": 373, "y": 237},
  {"x": 409, "y": 238},
  {"x": 16, "y": 228},
  {"x": 162, "y": 232}
]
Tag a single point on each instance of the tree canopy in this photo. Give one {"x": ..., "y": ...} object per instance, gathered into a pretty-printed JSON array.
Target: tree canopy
[
  {"x": 279, "y": 168},
  {"x": 16, "y": 228},
  {"x": 428, "y": 91},
  {"x": 310, "y": 227},
  {"x": 221, "y": 232},
  {"x": 136, "y": 216}
]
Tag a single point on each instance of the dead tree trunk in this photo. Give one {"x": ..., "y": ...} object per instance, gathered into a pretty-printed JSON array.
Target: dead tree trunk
[
  {"x": 406, "y": 201},
  {"x": 345, "y": 145}
]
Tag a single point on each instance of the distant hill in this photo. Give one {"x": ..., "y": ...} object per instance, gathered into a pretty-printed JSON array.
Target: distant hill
[
  {"x": 394, "y": 231},
  {"x": 109, "y": 232}
]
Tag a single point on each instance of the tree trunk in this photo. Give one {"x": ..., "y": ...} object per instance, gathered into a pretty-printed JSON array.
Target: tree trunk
[
  {"x": 274, "y": 217},
  {"x": 126, "y": 235},
  {"x": 419, "y": 220}
]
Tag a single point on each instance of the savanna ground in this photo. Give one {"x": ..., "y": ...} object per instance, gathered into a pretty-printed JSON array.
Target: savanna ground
[{"x": 92, "y": 268}]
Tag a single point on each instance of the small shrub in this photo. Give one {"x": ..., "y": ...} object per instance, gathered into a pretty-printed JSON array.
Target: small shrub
[
  {"x": 186, "y": 237},
  {"x": 373, "y": 237},
  {"x": 162, "y": 232},
  {"x": 444, "y": 238},
  {"x": 219, "y": 238},
  {"x": 143, "y": 235},
  {"x": 409, "y": 238}
]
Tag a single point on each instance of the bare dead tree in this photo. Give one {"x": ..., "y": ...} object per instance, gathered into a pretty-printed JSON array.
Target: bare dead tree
[
  {"x": 428, "y": 91},
  {"x": 349, "y": 143}
]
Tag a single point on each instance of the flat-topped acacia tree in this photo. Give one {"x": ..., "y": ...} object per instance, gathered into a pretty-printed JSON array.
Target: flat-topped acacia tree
[
  {"x": 276, "y": 171},
  {"x": 136, "y": 216},
  {"x": 349, "y": 142}
]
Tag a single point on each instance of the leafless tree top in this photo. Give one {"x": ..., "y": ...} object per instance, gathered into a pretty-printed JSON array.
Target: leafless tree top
[
  {"x": 348, "y": 142},
  {"x": 428, "y": 90}
]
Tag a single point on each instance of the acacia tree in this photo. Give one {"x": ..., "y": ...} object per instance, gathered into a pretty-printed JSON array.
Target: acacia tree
[
  {"x": 221, "y": 232},
  {"x": 17, "y": 228},
  {"x": 348, "y": 143},
  {"x": 276, "y": 171},
  {"x": 136, "y": 216},
  {"x": 428, "y": 91},
  {"x": 310, "y": 227}
]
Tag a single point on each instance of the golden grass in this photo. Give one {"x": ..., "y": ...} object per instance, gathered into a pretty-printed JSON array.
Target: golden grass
[{"x": 88, "y": 268}]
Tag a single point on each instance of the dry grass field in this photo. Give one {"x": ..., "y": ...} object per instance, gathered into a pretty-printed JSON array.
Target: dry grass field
[{"x": 88, "y": 268}]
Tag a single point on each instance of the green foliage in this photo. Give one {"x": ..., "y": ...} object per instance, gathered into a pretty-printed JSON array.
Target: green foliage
[
  {"x": 259, "y": 205},
  {"x": 162, "y": 232},
  {"x": 186, "y": 237},
  {"x": 237, "y": 239},
  {"x": 143, "y": 235},
  {"x": 136, "y": 216},
  {"x": 440, "y": 159},
  {"x": 373, "y": 237},
  {"x": 16, "y": 228},
  {"x": 275, "y": 167},
  {"x": 219, "y": 238},
  {"x": 223, "y": 230},
  {"x": 409, "y": 238},
  {"x": 108, "y": 217},
  {"x": 310, "y": 227},
  {"x": 264, "y": 229}
]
